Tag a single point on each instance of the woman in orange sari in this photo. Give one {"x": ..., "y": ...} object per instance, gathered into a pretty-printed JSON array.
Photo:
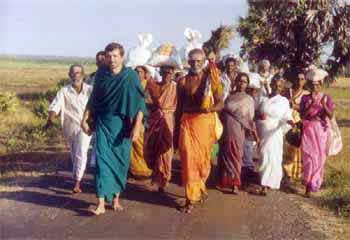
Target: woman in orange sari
[{"x": 159, "y": 148}]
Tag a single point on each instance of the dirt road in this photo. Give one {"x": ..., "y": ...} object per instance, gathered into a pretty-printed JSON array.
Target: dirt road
[{"x": 43, "y": 208}]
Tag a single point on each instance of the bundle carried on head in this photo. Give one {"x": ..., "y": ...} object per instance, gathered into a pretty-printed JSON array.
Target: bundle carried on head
[
  {"x": 140, "y": 54},
  {"x": 166, "y": 54},
  {"x": 220, "y": 39},
  {"x": 193, "y": 38},
  {"x": 316, "y": 74}
]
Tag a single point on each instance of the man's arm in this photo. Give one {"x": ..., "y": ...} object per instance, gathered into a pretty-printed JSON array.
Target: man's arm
[{"x": 54, "y": 109}]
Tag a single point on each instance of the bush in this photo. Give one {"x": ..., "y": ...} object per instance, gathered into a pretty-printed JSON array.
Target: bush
[
  {"x": 8, "y": 102},
  {"x": 42, "y": 105}
]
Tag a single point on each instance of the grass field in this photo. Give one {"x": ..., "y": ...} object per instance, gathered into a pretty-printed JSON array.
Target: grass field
[{"x": 21, "y": 130}]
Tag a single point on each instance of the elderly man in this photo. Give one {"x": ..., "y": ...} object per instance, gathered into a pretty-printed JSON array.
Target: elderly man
[
  {"x": 199, "y": 97},
  {"x": 70, "y": 103}
]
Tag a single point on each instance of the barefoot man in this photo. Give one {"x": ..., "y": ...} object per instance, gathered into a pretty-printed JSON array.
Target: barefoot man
[
  {"x": 70, "y": 103},
  {"x": 118, "y": 106},
  {"x": 196, "y": 121}
]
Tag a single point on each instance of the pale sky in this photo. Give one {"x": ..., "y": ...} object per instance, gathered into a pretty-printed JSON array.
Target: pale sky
[{"x": 83, "y": 27}]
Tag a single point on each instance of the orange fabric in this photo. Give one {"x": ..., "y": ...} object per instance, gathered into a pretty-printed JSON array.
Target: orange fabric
[
  {"x": 196, "y": 141},
  {"x": 159, "y": 135}
]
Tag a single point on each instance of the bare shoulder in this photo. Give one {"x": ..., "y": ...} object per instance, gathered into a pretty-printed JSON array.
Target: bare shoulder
[{"x": 181, "y": 82}]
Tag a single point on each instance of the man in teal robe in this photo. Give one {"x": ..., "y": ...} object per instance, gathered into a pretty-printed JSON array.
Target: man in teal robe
[{"x": 117, "y": 106}]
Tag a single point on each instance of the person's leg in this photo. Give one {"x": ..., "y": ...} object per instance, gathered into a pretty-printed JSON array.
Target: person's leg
[
  {"x": 116, "y": 203},
  {"x": 82, "y": 146}
]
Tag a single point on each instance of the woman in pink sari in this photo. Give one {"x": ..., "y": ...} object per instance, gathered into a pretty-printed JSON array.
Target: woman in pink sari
[{"x": 316, "y": 109}]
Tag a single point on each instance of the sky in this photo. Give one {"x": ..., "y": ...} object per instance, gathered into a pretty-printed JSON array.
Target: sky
[{"x": 83, "y": 27}]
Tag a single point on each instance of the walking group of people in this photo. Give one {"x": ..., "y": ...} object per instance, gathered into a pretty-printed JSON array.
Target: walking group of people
[{"x": 250, "y": 121}]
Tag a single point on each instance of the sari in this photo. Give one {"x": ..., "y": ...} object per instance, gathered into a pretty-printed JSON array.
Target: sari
[
  {"x": 138, "y": 165},
  {"x": 116, "y": 99},
  {"x": 292, "y": 164},
  {"x": 314, "y": 139},
  {"x": 237, "y": 117},
  {"x": 159, "y": 148},
  {"x": 277, "y": 112}
]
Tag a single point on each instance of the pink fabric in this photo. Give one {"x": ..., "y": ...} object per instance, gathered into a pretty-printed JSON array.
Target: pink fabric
[{"x": 314, "y": 141}]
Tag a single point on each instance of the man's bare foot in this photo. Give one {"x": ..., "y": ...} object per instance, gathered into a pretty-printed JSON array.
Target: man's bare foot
[
  {"x": 98, "y": 211},
  {"x": 77, "y": 188},
  {"x": 116, "y": 206}
]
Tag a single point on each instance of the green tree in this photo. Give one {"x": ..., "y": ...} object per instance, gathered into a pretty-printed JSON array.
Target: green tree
[{"x": 295, "y": 33}]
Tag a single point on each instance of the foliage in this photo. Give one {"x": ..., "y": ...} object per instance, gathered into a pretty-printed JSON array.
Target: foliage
[
  {"x": 220, "y": 39},
  {"x": 294, "y": 33},
  {"x": 41, "y": 106},
  {"x": 8, "y": 102}
]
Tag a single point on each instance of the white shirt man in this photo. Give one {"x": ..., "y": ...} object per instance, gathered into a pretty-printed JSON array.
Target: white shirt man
[{"x": 70, "y": 103}]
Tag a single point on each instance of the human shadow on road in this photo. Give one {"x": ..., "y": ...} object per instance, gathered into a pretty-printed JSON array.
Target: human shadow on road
[
  {"x": 48, "y": 200},
  {"x": 140, "y": 193}
]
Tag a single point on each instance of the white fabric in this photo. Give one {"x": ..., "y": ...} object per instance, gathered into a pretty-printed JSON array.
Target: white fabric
[
  {"x": 263, "y": 91},
  {"x": 71, "y": 106},
  {"x": 79, "y": 146},
  {"x": 140, "y": 54},
  {"x": 226, "y": 84},
  {"x": 277, "y": 112},
  {"x": 193, "y": 38}
]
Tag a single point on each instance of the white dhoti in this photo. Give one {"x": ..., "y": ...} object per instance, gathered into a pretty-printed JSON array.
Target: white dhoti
[{"x": 79, "y": 147}]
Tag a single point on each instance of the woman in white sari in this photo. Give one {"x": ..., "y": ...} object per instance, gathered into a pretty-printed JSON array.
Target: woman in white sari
[{"x": 274, "y": 115}]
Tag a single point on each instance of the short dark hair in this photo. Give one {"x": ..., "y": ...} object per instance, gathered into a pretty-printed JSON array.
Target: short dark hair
[
  {"x": 240, "y": 75},
  {"x": 100, "y": 53},
  {"x": 76, "y": 65},
  {"x": 145, "y": 69},
  {"x": 112, "y": 46}
]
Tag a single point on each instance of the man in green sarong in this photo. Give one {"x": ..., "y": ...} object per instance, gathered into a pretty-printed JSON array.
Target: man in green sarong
[{"x": 117, "y": 108}]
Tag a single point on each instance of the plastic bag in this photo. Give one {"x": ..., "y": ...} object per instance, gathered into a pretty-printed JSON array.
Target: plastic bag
[
  {"x": 334, "y": 139},
  {"x": 193, "y": 38},
  {"x": 166, "y": 54},
  {"x": 140, "y": 54}
]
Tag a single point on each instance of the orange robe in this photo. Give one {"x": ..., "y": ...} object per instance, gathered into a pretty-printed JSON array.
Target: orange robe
[
  {"x": 159, "y": 148},
  {"x": 196, "y": 137}
]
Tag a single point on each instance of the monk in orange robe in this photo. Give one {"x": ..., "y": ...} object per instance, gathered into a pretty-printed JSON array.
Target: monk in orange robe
[{"x": 196, "y": 119}]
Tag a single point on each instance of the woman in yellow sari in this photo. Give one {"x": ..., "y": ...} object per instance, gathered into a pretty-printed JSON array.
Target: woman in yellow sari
[{"x": 138, "y": 166}]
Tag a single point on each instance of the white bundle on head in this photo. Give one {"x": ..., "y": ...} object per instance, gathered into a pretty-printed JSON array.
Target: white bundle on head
[
  {"x": 315, "y": 74},
  {"x": 154, "y": 73},
  {"x": 166, "y": 54},
  {"x": 140, "y": 54},
  {"x": 193, "y": 38}
]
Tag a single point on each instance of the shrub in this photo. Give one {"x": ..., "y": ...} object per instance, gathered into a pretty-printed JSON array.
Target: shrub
[{"x": 8, "y": 102}]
